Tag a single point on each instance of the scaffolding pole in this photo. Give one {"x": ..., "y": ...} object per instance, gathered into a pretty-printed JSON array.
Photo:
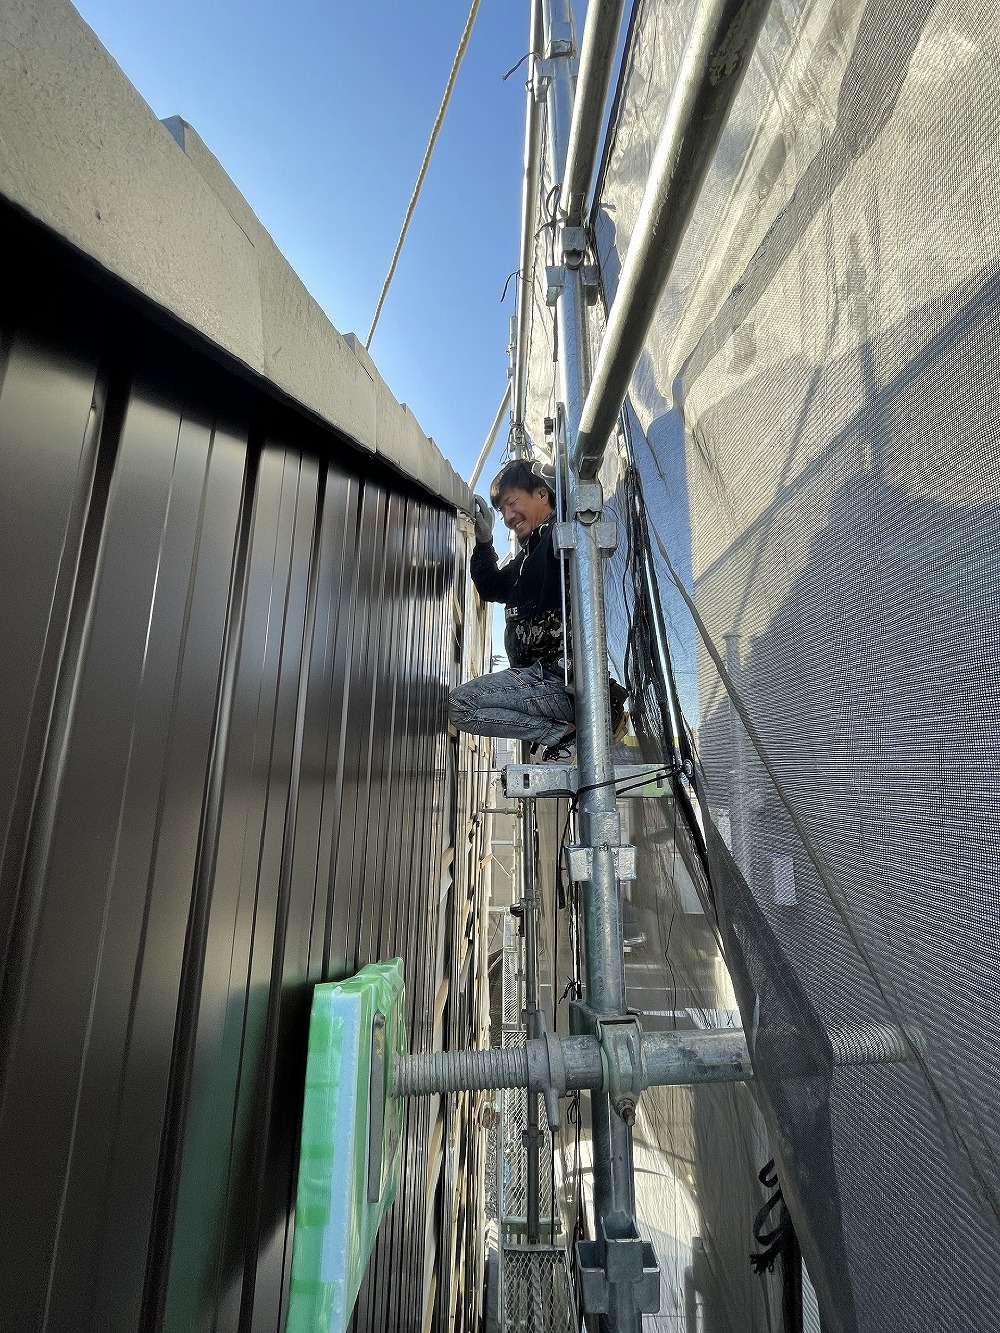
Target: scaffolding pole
[
  {"x": 600, "y": 38},
  {"x": 611, "y": 1126},
  {"x": 719, "y": 47},
  {"x": 618, "y": 1272},
  {"x": 533, "y": 1134},
  {"x": 491, "y": 436},
  {"x": 529, "y": 210}
]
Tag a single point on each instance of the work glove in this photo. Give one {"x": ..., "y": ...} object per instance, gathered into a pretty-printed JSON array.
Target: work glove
[{"x": 483, "y": 516}]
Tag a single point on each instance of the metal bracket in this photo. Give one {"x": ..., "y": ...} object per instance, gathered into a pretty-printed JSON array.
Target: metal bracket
[
  {"x": 591, "y": 283},
  {"x": 588, "y": 501},
  {"x": 583, "y": 1020},
  {"x": 555, "y": 281},
  {"x": 557, "y": 1078},
  {"x": 627, "y": 1259},
  {"x": 581, "y": 862},
  {"x": 557, "y": 1065},
  {"x": 605, "y": 535},
  {"x": 574, "y": 246},
  {"x": 633, "y": 781},
  {"x": 564, "y": 537},
  {"x": 542, "y": 74}
]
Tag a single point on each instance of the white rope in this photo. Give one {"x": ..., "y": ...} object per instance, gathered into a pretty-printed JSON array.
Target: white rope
[{"x": 463, "y": 43}]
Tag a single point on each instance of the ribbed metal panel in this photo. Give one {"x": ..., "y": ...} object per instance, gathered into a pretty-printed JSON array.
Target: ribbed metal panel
[{"x": 223, "y": 777}]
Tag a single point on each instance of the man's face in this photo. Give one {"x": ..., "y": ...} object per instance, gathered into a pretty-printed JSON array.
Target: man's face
[{"x": 522, "y": 511}]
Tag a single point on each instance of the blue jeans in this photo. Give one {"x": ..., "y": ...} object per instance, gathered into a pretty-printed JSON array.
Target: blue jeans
[{"x": 524, "y": 703}]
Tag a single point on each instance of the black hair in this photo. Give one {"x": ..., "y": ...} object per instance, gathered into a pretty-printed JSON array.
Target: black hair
[{"x": 520, "y": 474}]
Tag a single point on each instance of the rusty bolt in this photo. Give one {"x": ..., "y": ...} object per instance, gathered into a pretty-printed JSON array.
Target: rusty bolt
[{"x": 626, "y": 1109}]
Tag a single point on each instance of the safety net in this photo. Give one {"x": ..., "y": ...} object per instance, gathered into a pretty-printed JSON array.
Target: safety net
[
  {"x": 804, "y": 603},
  {"x": 810, "y": 481}
]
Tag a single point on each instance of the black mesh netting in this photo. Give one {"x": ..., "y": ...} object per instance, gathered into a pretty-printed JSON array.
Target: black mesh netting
[{"x": 813, "y": 455}]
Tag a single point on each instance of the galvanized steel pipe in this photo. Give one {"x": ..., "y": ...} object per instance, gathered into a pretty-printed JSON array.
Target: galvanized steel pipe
[
  {"x": 529, "y": 902},
  {"x": 614, "y": 1186},
  {"x": 491, "y": 436},
  {"x": 529, "y": 203},
  {"x": 708, "y": 1055},
  {"x": 668, "y": 1058},
  {"x": 560, "y": 53},
  {"x": 600, "y": 38},
  {"x": 712, "y": 68}
]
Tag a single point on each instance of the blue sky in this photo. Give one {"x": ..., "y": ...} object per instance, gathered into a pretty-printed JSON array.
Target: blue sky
[{"x": 320, "y": 111}]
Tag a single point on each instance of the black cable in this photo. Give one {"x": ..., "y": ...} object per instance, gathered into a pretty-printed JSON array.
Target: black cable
[
  {"x": 514, "y": 68},
  {"x": 623, "y": 786},
  {"x": 570, "y": 810},
  {"x": 552, "y": 1182},
  {"x": 551, "y": 216},
  {"x": 670, "y": 968}
]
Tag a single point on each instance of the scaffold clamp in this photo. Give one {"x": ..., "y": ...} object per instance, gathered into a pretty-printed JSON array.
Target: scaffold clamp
[
  {"x": 605, "y": 535},
  {"x": 624, "y": 1062},
  {"x": 581, "y": 862}
]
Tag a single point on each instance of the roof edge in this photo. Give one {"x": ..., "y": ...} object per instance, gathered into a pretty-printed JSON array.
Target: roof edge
[{"x": 83, "y": 154}]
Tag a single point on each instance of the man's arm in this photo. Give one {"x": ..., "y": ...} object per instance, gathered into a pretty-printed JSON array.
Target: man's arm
[{"x": 492, "y": 582}]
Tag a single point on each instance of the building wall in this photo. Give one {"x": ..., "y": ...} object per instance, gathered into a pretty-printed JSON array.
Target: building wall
[{"x": 225, "y": 775}]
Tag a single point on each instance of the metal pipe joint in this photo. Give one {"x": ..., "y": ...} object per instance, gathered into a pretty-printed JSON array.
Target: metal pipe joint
[{"x": 626, "y": 1072}]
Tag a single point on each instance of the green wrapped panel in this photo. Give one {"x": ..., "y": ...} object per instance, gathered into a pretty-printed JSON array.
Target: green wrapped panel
[{"x": 344, "y": 1190}]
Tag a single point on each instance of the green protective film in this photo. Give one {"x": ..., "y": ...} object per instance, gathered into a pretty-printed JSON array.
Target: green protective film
[{"x": 351, "y": 1129}]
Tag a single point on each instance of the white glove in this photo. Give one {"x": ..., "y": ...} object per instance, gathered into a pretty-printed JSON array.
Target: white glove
[{"x": 483, "y": 516}]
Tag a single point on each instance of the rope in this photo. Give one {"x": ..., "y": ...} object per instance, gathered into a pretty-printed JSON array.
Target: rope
[{"x": 435, "y": 131}]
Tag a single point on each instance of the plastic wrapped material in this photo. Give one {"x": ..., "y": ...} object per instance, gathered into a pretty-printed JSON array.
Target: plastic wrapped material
[{"x": 349, "y": 1161}]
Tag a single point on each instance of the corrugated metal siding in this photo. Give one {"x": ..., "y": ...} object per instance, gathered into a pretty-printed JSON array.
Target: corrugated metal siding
[{"x": 224, "y": 775}]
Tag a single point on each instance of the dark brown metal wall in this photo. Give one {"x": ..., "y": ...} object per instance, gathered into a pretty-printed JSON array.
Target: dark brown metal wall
[{"x": 226, "y": 644}]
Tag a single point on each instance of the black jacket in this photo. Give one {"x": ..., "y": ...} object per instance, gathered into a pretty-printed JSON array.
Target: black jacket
[{"x": 530, "y": 588}]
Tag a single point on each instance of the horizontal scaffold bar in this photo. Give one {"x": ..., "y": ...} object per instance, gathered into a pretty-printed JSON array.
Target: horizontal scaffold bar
[{"x": 562, "y": 1064}]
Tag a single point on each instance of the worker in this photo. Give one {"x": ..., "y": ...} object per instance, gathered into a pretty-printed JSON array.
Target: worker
[{"x": 531, "y": 701}]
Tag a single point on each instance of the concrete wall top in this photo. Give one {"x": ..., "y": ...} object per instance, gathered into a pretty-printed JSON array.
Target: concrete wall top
[{"x": 82, "y": 153}]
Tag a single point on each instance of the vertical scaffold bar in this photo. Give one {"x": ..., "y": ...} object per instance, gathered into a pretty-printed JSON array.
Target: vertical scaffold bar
[
  {"x": 614, "y": 1195},
  {"x": 533, "y": 1134},
  {"x": 529, "y": 205}
]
